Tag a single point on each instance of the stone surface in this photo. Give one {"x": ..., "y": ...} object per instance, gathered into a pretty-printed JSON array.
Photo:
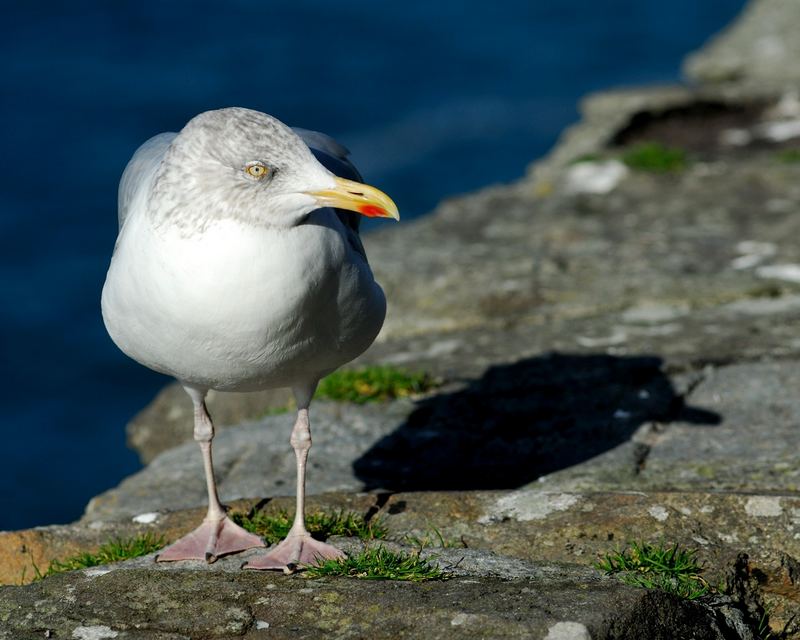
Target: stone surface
[
  {"x": 762, "y": 47},
  {"x": 750, "y": 447},
  {"x": 182, "y": 603},
  {"x": 577, "y": 422},
  {"x": 23, "y": 553},
  {"x": 515, "y": 560},
  {"x": 168, "y": 420},
  {"x": 536, "y": 524},
  {"x": 255, "y": 459}
]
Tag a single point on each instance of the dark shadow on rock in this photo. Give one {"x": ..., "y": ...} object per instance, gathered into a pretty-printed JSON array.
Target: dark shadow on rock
[{"x": 524, "y": 420}]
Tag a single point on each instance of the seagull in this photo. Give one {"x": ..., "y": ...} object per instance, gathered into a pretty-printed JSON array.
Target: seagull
[{"x": 238, "y": 267}]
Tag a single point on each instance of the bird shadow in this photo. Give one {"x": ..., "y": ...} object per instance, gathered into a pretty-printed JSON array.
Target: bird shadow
[{"x": 524, "y": 420}]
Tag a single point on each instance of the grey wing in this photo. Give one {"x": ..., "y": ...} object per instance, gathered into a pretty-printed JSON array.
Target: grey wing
[
  {"x": 334, "y": 157},
  {"x": 140, "y": 171}
]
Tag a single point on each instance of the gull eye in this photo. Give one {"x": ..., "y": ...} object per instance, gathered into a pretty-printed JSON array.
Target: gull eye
[{"x": 256, "y": 170}]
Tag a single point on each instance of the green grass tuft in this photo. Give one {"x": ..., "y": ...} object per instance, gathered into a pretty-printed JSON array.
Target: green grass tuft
[
  {"x": 433, "y": 538},
  {"x": 670, "y": 569},
  {"x": 764, "y": 632},
  {"x": 789, "y": 156},
  {"x": 371, "y": 384},
  {"x": 655, "y": 158},
  {"x": 274, "y": 527},
  {"x": 378, "y": 563},
  {"x": 112, "y": 551}
]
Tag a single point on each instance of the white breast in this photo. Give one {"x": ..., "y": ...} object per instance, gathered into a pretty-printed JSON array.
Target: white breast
[{"x": 238, "y": 307}]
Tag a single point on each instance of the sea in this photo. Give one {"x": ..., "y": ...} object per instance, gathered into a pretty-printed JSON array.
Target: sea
[{"x": 432, "y": 98}]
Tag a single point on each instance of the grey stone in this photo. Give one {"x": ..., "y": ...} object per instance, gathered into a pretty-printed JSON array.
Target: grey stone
[
  {"x": 516, "y": 423},
  {"x": 755, "y": 445},
  {"x": 253, "y": 460},
  {"x": 168, "y": 420},
  {"x": 181, "y": 602},
  {"x": 538, "y": 535},
  {"x": 760, "y": 47},
  {"x": 751, "y": 447}
]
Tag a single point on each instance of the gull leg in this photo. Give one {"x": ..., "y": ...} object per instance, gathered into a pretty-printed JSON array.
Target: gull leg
[
  {"x": 298, "y": 548},
  {"x": 218, "y": 535}
]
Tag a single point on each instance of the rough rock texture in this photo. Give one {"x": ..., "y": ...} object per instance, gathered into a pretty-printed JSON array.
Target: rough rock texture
[
  {"x": 761, "y": 48},
  {"x": 169, "y": 604},
  {"x": 500, "y": 585},
  {"x": 620, "y": 351},
  {"x": 167, "y": 420},
  {"x": 255, "y": 459},
  {"x": 560, "y": 422}
]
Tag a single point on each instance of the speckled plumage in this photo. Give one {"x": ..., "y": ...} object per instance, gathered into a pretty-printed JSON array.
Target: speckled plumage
[{"x": 199, "y": 178}]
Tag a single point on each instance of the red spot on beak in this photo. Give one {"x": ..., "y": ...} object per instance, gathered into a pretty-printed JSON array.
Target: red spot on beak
[{"x": 372, "y": 211}]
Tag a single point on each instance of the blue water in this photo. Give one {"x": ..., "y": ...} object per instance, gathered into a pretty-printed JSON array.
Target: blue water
[{"x": 433, "y": 99}]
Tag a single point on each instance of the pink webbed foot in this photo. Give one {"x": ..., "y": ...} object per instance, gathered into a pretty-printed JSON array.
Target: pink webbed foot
[
  {"x": 294, "y": 552},
  {"x": 212, "y": 539}
]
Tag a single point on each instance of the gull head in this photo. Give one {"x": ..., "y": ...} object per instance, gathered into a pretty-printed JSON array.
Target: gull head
[{"x": 245, "y": 165}]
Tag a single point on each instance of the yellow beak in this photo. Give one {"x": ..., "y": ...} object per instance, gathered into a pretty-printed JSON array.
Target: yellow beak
[{"x": 358, "y": 197}]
